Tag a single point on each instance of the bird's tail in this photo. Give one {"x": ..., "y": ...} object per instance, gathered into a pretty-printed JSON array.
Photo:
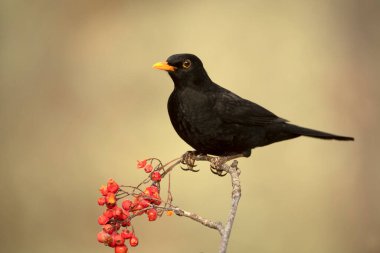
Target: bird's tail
[{"x": 316, "y": 134}]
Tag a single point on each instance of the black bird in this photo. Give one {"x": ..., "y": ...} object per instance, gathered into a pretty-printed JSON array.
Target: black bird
[{"x": 216, "y": 121}]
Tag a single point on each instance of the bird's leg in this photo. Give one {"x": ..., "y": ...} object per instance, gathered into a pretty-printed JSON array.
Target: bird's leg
[
  {"x": 188, "y": 159},
  {"x": 218, "y": 161}
]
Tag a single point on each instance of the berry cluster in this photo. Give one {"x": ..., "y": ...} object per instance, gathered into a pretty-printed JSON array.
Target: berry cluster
[{"x": 116, "y": 220}]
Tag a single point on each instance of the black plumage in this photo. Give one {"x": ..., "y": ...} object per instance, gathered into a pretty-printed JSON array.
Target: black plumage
[{"x": 215, "y": 121}]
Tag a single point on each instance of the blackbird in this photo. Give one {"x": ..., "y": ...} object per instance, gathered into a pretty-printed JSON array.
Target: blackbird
[{"x": 215, "y": 121}]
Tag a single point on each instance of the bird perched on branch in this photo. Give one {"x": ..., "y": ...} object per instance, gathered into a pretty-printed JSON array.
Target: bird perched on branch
[{"x": 215, "y": 121}]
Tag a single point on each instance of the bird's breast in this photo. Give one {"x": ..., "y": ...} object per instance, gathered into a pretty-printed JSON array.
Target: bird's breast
[{"x": 192, "y": 118}]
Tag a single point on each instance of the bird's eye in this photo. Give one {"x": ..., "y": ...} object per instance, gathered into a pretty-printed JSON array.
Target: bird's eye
[{"x": 186, "y": 64}]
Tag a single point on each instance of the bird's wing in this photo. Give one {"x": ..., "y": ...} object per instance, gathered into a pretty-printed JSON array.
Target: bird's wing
[{"x": 234, "y": 109}]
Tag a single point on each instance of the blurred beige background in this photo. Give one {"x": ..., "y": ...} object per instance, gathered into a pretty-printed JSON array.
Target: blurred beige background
[{"x": 79, "y": 103}]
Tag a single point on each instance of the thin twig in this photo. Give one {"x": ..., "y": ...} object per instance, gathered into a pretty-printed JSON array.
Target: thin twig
[
  {"x": 206, "y": 222},
  {"x": 170, "y": 167}
]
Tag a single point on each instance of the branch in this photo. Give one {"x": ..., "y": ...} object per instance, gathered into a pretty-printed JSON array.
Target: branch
[
  {"x": 219, "y": 164},
  {"x": 236, "y": 193},
  {"x": 208, "y": 223}
]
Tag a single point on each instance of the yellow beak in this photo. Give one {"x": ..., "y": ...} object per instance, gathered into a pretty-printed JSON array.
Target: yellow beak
[{"x": 163, "y": 66}]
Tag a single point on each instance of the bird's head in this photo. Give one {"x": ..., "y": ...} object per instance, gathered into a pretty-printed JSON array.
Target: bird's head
[{"x": 184, "y": 69}]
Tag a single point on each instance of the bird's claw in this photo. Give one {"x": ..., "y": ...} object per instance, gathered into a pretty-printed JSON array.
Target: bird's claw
[
  {"x": 217, "y": 163},
  {"x": 188, "y": 159},
  {"x": 218, "y": 172},
  {"x": 189, "y": 168},
  {"x": 216, "y": 166}
]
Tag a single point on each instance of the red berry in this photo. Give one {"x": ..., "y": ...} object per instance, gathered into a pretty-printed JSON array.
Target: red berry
[
  {"x": 103, "y": 237},
  {"x": 126, "y": 223},
  {"x": 151, "y": 191},
  {"x": 126, "y": 234},
  {"x": 141, "y": 164},
  {"x": 148, "y": 168},
  {"x": 108, "y": 228},
  {"x": 126, "y": 204},
  {"x": 137, "y": 206},
  {"x": 118, "y": 212},
  {"x": 133, "y": 241},
  {"x": 101, "y": 201},
  {"x": 156, "y": 176},
  {"x": 153, "y": 188},
  {"x": 143, "y": 203},
  {"x": 112, "y": 186},
  {"x": 102, "y": 220},
  {"x": 124, "y": 215},
  {"x": 155, "y": 199},
  {"x": 121, "y": 249},
  {"x": 111, "y": 242},
  {"x": 119, "y": 240},
  {"x": 109, "y": 213},
  {"x": 110, "y": 199},
  {"x": 103, "y": 190},
  {"x": 152, "y": 214}
]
